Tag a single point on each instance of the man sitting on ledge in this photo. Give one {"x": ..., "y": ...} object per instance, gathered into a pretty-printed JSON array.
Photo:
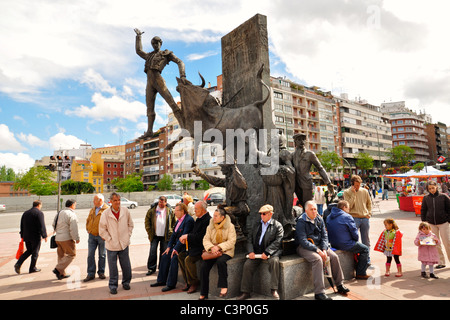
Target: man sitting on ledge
[
  {"x": 263, "y": 243},
  {"x": 343, "y": 235},
  {"x": 312, "y": 241}
]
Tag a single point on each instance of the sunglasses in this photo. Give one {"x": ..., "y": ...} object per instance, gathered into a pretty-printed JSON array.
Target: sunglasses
[{"x": 264, "y": 213}]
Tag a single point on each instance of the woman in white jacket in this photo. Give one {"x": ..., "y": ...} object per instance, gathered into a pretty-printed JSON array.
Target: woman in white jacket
[
  {"x": 115, "y": 228},
  {"x": 319, "y": 199}
]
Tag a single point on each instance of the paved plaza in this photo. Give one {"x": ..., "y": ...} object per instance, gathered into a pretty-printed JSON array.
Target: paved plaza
[{"x": 44, "y": 285}]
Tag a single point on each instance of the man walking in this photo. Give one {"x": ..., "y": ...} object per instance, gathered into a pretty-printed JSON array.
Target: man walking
[
  {"x": 159, "y": 224},
  {"x": 32, "y": 229},
  {"x": 66, "y": 228},
  {"x": 95, "y": 241},
  {"x": 360, "y": 206},
  {"x": 115, "y": 228}
]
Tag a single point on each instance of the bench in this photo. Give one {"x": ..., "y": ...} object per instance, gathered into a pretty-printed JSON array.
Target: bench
[{"x": 295, "y": 276}]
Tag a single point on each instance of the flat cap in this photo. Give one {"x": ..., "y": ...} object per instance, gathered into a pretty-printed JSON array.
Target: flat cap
[{"x": 266, "y": 208}]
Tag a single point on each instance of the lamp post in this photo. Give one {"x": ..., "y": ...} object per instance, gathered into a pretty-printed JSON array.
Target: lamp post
[{"x": 59, "y": 163}]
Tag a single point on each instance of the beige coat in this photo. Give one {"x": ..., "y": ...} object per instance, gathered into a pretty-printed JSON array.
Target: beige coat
[
  {"x": 116, "y": 233},
  {"x": 228, "y": 235},
  {"x": 360, "y": 203}
]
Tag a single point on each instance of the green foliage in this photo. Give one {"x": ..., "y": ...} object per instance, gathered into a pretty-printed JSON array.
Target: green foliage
[
  {"x": 185, "y": 183},
  {"x": 7, "y": 174},
  {"x": 329, "y": 160},
  {"x": 131, "y": 183},
  {"x": 364, "y": 161},
  {"x": 401, "y": 155},
  {"x": 165, "y": 183},
  {"x": 43, "y": 189},
  {"x": 76, "y": 187},
  {"x": 418, "y": 167},
  {"x": 203, "y": 184},
  {"x": 35, "y": 181}
]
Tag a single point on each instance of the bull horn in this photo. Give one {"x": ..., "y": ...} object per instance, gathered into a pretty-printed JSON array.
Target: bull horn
[{"x": 203, "y": 80}]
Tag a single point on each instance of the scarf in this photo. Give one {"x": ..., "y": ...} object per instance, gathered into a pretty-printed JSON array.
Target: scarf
[{"x": 219, "y": 227}]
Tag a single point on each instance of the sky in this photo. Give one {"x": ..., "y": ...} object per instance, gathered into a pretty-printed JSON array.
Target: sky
[{"x": 69, "y": 73}]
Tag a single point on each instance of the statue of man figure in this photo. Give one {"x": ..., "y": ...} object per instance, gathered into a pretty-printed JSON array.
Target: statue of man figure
[
  {"x": 302, "y": 160},
  {"x": 155, "y": 62}
]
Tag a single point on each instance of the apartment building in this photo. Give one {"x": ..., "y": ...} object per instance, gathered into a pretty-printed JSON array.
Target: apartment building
[
  {"x": 298, "y": 109},
  {"x": 437, "y": 140},
  {"x": 364, "y": 129},
  {"x": 408, "y": 128}
]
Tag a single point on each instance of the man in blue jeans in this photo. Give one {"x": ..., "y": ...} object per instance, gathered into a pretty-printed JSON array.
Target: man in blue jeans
[
  {"x": 95, "y": 241},
  {"x": 360, "y": 206},
  {"x": 343, "y": 235}
]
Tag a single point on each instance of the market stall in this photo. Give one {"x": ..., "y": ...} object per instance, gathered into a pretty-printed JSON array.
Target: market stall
[{"x": 410, "y": 187}]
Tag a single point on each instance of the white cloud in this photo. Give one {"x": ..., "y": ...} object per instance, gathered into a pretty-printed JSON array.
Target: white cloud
[
  {"x": 8, "y": 142},
  {"x": 63, "y": 141},
  {"x": 19, "y": 162},
  {"x": 32, "y": 140},
  {"x": 96, "y": 82},
  {"x": 110, "y": 108},
  {"x": 199, "y": 56}
]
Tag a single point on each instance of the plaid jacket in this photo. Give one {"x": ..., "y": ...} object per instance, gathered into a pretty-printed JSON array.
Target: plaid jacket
[{"x": 397, "y": 245}]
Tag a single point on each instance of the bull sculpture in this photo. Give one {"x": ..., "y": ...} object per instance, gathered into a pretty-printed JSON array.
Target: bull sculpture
[{"x": 202, "y": 112}]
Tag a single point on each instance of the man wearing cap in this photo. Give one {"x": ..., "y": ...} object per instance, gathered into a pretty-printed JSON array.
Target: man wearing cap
[
  {"x": 302, "y": 161},
  {"x": 263, "y": 244}
]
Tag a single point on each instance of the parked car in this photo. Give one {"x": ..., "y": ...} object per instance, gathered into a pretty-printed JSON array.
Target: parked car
[
  {"x": 215, "y": 198},
  {"x": 2, "y": 207},
  {"x": 172, "y": 199},
  {"x": 126, "y": 203}
]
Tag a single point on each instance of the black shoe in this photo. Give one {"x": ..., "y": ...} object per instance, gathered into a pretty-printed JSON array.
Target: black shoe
[
  {"x": 157, "y": 284},
  {"x": 17, "y": 268},
  {"x": 322, "y": 296},
  {"x": 101, "y": 276},
  {"x": 35, "y": 270},
  {"x": 113, "y": 291},
  {"x": 58, "y": 275},
  {"x": 342, "y": 289},
  {"x": 126, "y": 286},
  {"x": 432, "y": 275},
  {"x": 424, "y": 275},
  {"x": 244, "y": 296},
  {"x": 440, "y": 266},
  {"x": 88, "y": 278},
  {"x": 167, "y": 288},
  {"x": 150, "y": 272}
]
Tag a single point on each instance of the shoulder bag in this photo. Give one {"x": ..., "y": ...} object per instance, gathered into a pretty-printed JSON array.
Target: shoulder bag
[{"x": 53, "y": 244}]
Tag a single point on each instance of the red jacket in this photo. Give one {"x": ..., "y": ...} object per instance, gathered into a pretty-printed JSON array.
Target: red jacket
[{"x": 397, "y": 246}]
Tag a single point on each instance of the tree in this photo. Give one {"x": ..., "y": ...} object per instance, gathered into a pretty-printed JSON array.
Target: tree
[
  {"x": 401, "y": 155},
  {"x": 203, "y": 184},
  {"x": 35, "y": 181},
  {"x": 76, "y": 187},
  {"x": 364, "y": 161},
  {"x": 165, "y": 183},
  {"x": 7, "y": 174},
  {"x": 131, "y": 183},
  {"x": 185, "y": 183},
  {"x": 329, "y": 160},
  {"x": 418, "y": 167}
]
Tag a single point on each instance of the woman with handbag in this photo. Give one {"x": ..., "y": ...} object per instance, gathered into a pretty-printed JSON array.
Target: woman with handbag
[{"x": 219, "y": 242}]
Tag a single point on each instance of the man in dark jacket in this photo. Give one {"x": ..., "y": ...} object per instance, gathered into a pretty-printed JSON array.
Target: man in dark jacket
[
  {"x": 436, "y": 211},
  {"x": 194, "y": 244},
  {"x": 32, "y": 229},
  {"x": 312, "y": 241},
  {"x": 343, "y": 235},
  {"x": 263, "y": 244}
]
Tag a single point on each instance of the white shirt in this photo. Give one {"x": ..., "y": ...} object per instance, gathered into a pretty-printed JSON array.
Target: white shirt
[{"x": 160, "y": 221}]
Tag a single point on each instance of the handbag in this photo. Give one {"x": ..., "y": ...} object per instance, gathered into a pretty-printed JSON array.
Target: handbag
[
  {"x": 206, "y": 255},
  {"x": 53, "y": 244},
  {"x": 20, "y": 249}
]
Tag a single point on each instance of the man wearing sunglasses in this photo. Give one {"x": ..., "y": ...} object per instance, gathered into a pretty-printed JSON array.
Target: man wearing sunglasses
[{"x": 263, "y": 244}]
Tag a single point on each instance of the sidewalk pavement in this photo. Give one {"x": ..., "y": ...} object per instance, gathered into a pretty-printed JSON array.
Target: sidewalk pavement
[{"x": 44, "y": 285}]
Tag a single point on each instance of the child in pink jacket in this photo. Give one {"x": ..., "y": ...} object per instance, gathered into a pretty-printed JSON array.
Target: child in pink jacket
[{"x": 428, "y": 253}]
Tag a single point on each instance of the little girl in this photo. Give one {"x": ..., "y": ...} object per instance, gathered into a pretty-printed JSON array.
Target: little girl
[
  {"x": 390, "y": 243},
  {"x": 428, "y": 253}
]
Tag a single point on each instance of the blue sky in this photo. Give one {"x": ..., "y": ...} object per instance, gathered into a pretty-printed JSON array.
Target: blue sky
[{"x": 69, "y": 73}]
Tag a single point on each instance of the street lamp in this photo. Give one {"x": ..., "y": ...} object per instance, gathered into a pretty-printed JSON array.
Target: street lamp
[{"x": 59, "y": 164}]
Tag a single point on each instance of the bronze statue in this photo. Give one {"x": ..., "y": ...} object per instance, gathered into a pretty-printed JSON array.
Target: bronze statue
[
  {"x": 155, "y": 62},
  {"x": 236, "y": 194},
  {"x": 302, "y": 160},
  {"x": 279, "y": 188}
]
